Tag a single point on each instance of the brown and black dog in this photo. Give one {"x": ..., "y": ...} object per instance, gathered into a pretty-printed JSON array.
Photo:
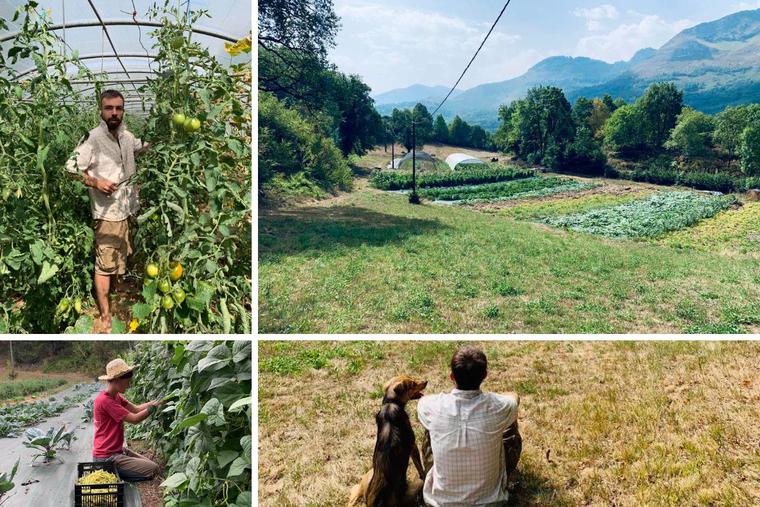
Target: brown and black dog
[{"x": 386, "y": 484}]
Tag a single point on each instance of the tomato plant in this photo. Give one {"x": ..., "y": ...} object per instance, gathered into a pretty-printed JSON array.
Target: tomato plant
[
  {"x": 46, "y": 235},
  {"x": 196, "y": 181},
  {"x": 204, "y": 430}
]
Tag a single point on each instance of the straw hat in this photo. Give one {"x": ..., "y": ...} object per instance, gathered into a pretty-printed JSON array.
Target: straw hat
[{"x": 116, "y": 369}]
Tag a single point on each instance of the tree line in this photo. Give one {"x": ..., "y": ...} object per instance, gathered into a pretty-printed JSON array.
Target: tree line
[
  {"x": 543, "y": 128},
  {"x": 398, "y": 128},
  {"x": 311, "y": 116}
]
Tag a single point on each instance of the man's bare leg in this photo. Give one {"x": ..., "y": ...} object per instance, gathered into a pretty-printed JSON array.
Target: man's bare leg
[{"x": 102, "y": 288}]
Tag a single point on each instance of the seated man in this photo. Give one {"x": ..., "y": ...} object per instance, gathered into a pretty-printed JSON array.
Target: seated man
[
  {"x": 110, "y": 410},
  {"x": 472, "y": 435}
]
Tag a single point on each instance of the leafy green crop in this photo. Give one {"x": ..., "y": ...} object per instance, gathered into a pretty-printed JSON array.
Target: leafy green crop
[
  {"x": 204, "y": 431},
  {"x": 6, "y": 481},
  {"x": 18, "y": 388},
  {"x": 48, "y": 443},
  {"x": 386, "y": 180},
  {"x": 528, "y": 187},
  {"x": 650, "y": 217}
]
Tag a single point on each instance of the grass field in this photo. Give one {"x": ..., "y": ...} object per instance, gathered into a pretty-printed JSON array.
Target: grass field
[
  {"x": 603, "y": 423},
  {"x": 368, "y": 261}
]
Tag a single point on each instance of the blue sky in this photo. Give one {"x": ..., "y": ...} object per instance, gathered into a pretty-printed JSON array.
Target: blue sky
[{"x": 396, "y": 43}]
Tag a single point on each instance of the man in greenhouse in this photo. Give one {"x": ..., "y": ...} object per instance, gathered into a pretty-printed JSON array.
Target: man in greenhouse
[
  {"x": 105, "y": 162},
  {"x": 110, "y": 410},
  {"x": 471, "y": 443}
]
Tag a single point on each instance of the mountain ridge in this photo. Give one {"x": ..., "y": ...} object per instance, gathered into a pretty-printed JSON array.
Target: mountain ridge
[{"x": 715, "y": 63}]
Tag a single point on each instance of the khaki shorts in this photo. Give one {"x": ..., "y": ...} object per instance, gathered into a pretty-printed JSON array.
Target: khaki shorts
[{"x": 113, "y": 244}]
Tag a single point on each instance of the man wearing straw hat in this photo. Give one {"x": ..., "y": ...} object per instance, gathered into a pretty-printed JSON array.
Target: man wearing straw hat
[{"x": 110, "y": 410}]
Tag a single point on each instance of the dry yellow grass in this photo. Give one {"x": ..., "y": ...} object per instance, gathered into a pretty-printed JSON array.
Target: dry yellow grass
[{"x": 603, "y": 423}]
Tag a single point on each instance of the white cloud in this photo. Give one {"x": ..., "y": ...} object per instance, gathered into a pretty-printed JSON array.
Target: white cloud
[
  {"x": 746, "y": 6},
  {"x": 623, "y": 41},
  {"x": 407, "y": 45},
  {"x": 595, "y": 15}
]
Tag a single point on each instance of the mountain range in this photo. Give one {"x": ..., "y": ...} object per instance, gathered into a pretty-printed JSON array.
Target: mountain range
[{"x": 716, "y": 64}]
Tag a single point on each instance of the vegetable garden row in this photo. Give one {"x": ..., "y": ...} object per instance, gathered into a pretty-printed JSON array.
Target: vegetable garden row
[
  {"x": 194, "y": 185},
  {"x": 635, "y": 216}
]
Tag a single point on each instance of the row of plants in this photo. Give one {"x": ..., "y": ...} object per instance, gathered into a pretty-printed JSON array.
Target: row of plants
[
  {"x": 518, "y": 189},
  {"x": 650, "y": 217},
  {"x": 386, "y": 180},
  {"x": 718, "y": 181},
  {"x": 20, "y": 388},
  {"x": 15, "y": 417},
  {"x": 204, "y": 431}
]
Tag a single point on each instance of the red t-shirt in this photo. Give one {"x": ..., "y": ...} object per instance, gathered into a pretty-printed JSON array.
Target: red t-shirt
[{"x": 108, "y": 416}]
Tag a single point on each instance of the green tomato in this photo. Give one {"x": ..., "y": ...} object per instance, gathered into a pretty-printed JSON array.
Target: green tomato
[
  {"x": 78, "y": 305},
  {"x": 195, "y": 123},
  {"x": 63, "y": 306},
  {"x": 179, "y": 295},
  {"x": 188, "y": 125},
  {"x": 151, "y": 270},
  {"x": 178, "y": 119},
  {"x": 164, "y": 286},
  {"x": 177, "y": 42},
  {"x": 167, "y": 302}
]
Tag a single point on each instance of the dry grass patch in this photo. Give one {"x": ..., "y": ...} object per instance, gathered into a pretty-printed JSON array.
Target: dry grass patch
[{"x": 604, "y": 423}]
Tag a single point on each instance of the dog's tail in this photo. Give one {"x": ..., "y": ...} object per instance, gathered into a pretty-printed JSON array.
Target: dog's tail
[{"x": 356, "y": 495}]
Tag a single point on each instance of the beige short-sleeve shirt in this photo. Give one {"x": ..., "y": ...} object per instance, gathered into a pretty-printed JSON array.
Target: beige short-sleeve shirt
[{"x": 111, "y": 158}]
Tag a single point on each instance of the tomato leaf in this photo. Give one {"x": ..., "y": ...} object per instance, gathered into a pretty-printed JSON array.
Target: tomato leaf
[
  {"x": 84, "y": 324},
  {"x": 118, "y": 326},
  {"x": 141, "y": 311},
  {"x": 48, "y": 272}
]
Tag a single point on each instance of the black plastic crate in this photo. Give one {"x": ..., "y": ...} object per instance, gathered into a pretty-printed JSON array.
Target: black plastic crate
[{"x": 98, "y": 495}]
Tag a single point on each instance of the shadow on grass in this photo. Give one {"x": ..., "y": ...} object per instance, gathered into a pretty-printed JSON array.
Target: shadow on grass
[
  {"x": 533, "y": 489},
  {"x": 325, "y": 228}
]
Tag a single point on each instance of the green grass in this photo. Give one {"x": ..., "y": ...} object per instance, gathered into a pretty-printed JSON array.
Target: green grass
[
  {"x": 394, "y": 180},
  {"x": 12, "y": 389},
  {"x": 564, "y": 206},
  {"x": 371, "y": 262}
]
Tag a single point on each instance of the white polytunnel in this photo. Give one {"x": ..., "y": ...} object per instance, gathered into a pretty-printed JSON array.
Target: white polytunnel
[
  {"x": 461, "y": 158},
  {"x": 420, "y": 156}
]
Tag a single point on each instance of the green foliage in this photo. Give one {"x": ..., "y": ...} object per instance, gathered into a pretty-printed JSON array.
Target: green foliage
[
  {"x": 289, "y": 145},
  {"x": 730, "y": 123},
  {"x": 440, "y": 130},
  {"x": 650, "y": 217},
  {"x": 21, "y": 388},
  {"x": 48, "y": 443},
  {"x": 195, "y": 186},
  {"x": 749, "y": 150},
  {"x": 517, "y": 189},
  {"x": 401, "y": 126},
  {"x": 6, "y": 481},
  {"x": 660, "y": 106},
  {"x": 386, "y": 180},
  {"x": 692, "y": 135},
  {"x": 584, "y": 154},
  {"x": 459, "y": 132},
  {"x": 624, "y": 131},
  {"x": 423, "y": 124},
  {"x": 88, "y": 407},
  {"x": 204, "y": 431},
  {"x": 45, "y": 225},
  {"x": 540, "y": 125},
  {"x": 358, "y": 124},
  {"x": 14, "y": 417}
]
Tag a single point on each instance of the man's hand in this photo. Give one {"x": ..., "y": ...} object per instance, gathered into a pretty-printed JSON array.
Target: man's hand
[{"x": 106, "y": 187}]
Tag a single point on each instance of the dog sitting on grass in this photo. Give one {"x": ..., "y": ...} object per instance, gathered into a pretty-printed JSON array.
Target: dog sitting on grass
[{"x": 386, "y": 484}]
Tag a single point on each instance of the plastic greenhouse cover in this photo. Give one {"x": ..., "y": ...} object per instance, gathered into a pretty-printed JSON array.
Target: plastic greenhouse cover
[{"x": 231, "y": 18}]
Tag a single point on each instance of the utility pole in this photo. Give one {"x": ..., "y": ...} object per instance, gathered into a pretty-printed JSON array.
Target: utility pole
[
  {"x": 12, "y": 373},
  {"x": 414, "y": 198}
]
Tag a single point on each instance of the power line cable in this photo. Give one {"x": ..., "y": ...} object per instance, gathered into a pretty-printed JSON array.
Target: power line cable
[{"x": 472, "y": 59}]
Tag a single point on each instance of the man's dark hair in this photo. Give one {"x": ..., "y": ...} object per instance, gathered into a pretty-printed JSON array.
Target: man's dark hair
[
  {"x": 129, "y": 374},
  {"x": 469, "y": 366},
  {"x": 110, "y": 94}
]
